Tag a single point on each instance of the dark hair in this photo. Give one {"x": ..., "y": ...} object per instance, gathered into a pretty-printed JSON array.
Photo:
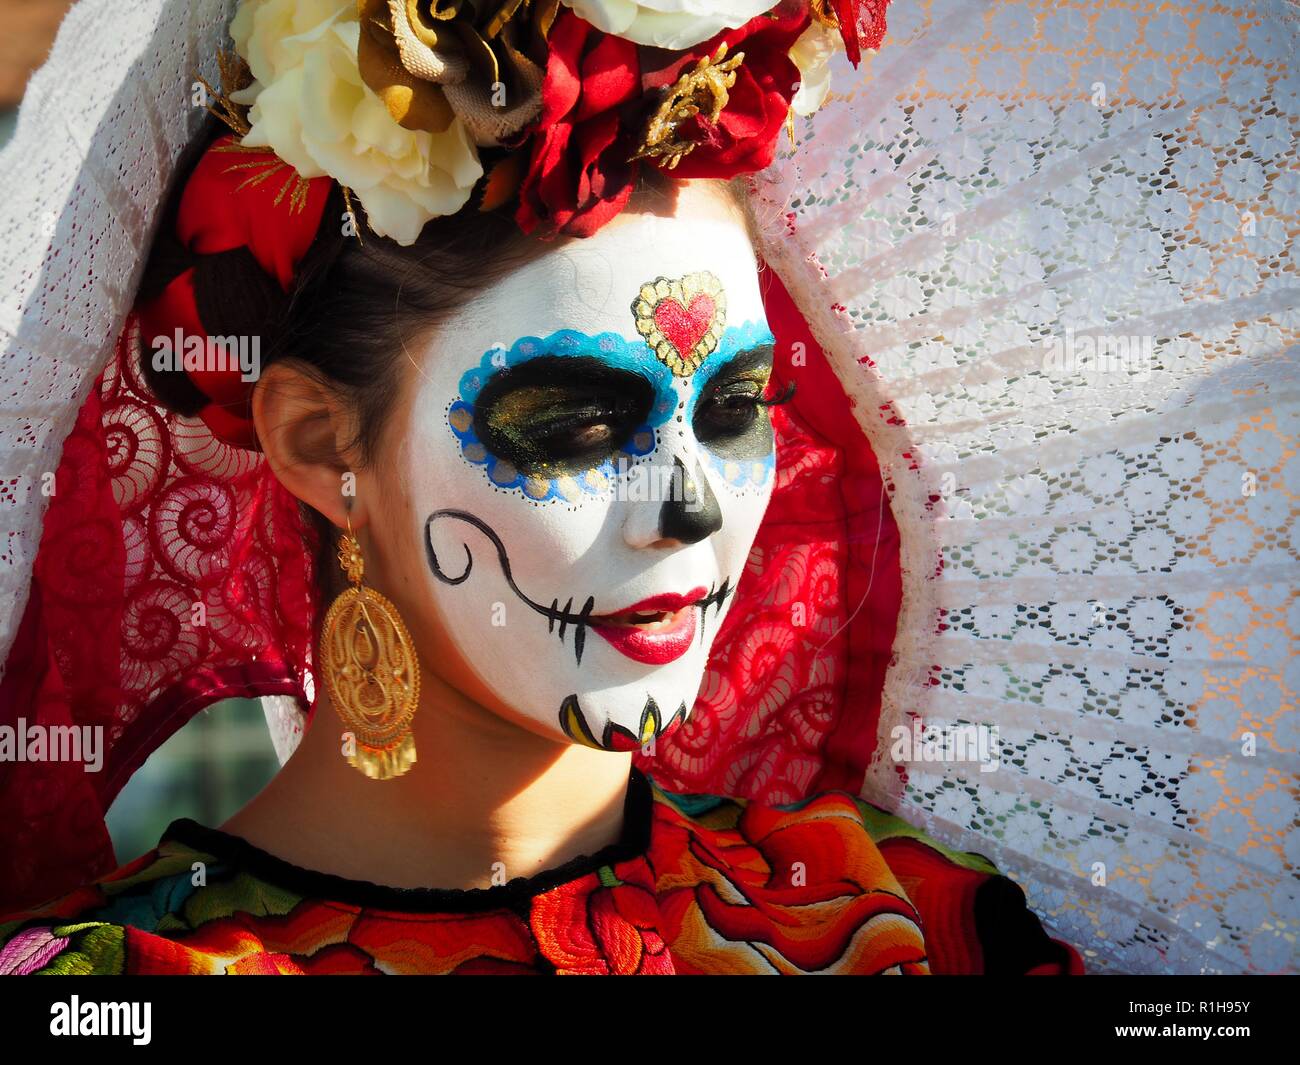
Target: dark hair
[{"x": 355, "y": 303}]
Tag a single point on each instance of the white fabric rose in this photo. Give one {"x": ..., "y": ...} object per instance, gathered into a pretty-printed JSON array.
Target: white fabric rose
[
  {"x": 675, "y": 24},
  {"x": 811, "y": 53},
  {"x": 310, "y": 106}
]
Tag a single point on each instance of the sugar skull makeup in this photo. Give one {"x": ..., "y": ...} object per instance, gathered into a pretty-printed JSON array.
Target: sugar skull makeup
[{"x": 589, "y": 487}]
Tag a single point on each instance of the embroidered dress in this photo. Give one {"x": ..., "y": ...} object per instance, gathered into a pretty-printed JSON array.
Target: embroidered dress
[{"x": 696, "y": 884}]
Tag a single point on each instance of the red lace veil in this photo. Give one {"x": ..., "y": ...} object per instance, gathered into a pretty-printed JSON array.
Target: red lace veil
[{"x": 156, "y": 523}]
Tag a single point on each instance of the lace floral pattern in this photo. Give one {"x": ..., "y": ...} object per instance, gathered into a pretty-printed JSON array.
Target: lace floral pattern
[
  {"x": 1058, "y": 276},
  {"x": 172, "y": 573}
]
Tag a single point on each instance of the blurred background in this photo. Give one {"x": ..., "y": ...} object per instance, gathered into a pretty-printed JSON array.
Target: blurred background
[
  {"x": 224, "y": 756},
  {"x": 27, "y": 30}
]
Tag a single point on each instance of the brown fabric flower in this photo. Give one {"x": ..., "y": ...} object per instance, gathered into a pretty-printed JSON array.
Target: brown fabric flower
[{"x": 481, "y": 61}]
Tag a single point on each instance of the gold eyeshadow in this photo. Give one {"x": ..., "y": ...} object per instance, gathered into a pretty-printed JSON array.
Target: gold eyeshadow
[
  {"x": 541, "y": 422},
  {"x": 729, "y": 419},
  {"x": 519, "y": 406},
  {"x": 758, "y": 375}
]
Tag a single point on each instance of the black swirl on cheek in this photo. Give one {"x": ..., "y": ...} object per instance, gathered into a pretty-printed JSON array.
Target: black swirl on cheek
[
  {"x": 558, "y": 618},
  {"x": 553, "y": 613}
]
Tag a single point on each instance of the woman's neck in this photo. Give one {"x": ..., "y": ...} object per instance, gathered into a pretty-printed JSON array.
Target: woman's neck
[{"x": 487, "y": 801}]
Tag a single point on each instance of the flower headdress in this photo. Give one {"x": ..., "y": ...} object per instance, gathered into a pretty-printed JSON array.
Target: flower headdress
[
  {"x": 402, "y": 111},
  {"x": 418, "y": 106}
]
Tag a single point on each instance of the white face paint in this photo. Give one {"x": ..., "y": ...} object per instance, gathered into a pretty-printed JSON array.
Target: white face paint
[{"x": 585, "y": 441}]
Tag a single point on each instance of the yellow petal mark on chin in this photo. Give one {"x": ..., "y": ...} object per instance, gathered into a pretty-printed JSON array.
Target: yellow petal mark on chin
[
  {"x": 461, "y": 419},
  {"x": 597, "y": 480},
  {"x": 757, "y": 473},
  {"x": 536, "y": 487},
  {"x": 730, "y": 471},
  {"x": 648, "y": 729},
  {"x": 575, "y": 725},
  {"x": 568, "y": 488}
]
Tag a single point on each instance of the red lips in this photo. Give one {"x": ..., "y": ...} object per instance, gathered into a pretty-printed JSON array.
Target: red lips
[{"x": 663, "y": 643}]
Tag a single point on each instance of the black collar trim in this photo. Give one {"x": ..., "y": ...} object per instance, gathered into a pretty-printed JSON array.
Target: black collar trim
[{"x": 242, "y": 855}]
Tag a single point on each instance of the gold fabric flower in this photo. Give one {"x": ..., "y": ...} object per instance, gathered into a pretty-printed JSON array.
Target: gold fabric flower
[
  {"x": 481, "y": 61},
  {"x": 702, "y": 88}
]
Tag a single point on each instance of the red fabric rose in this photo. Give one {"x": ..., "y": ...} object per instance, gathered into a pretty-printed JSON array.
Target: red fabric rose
[
  {"x": 744, "y": 137},
  {"x": 599, "y": 91},
  {"x": 578, "y": 175}
]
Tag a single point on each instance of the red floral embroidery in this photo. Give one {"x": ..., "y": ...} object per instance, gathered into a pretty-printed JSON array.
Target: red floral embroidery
[
  {"x": 603, "y": 925},
  {"x": 265, "y": 965},
  {"x": 724, "y": 887},
  {"x": 767, "y": 890}
]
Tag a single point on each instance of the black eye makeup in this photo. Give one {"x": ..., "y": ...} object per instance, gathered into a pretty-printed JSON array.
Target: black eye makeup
[
  {"x": 729, "y": 416},
  {"x": 561, "y": 414}
]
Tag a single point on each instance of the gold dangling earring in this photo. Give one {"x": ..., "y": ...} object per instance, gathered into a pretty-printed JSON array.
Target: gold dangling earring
[{"x": 371, "y": 671}]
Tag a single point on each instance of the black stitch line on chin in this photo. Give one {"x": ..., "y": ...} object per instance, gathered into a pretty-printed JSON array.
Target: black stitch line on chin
[{"x": 565, "y": 617}]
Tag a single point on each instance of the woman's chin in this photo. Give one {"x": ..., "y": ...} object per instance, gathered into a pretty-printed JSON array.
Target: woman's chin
[{"x": 619, "y": 704}]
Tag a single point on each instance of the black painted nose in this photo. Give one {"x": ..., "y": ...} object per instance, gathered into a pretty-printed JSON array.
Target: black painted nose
[{"x": 691, "y": 512}]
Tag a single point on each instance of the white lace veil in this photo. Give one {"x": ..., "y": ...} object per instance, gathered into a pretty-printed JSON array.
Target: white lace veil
[
  {"x": 1049, "y": 250},
  {"x": 1098, "y": 534}
]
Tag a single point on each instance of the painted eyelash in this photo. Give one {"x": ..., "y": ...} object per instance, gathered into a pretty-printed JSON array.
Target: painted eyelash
[
  {"x": 758, "y": 401},
  {"x": 777, "y": 401}
]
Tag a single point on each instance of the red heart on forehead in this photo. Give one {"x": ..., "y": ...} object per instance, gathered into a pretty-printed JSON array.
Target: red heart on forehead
[{"x": 684, "y": 326}]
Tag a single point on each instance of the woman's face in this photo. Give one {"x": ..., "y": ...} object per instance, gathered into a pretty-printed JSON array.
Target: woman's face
[{"x": 580, "y": 469}]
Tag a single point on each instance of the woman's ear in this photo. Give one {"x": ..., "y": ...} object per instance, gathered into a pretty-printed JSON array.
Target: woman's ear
[{"x": 306, "y": 431}]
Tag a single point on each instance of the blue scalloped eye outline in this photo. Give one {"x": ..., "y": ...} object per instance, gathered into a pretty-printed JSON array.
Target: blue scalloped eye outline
[
  {"x": 612, "y": 348},
  {"x": 742, "y": 474},
  {"x": 617, "y": 350}
]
